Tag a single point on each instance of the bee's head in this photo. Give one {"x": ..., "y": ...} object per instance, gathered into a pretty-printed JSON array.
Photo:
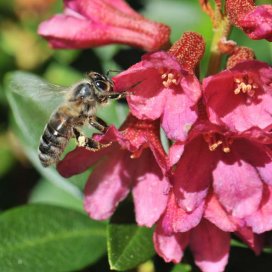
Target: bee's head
[{"x": 100, "y": 83}]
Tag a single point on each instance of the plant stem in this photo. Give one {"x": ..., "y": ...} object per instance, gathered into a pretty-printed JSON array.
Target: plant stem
[{"x": 221, "y": 30}]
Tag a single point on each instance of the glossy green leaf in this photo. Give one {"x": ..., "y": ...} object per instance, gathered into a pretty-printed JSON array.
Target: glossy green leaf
[
  {"x": 49, "y": 193},
  {"x": 48, "y": 238},
  {"x": 128, "y": 244}
]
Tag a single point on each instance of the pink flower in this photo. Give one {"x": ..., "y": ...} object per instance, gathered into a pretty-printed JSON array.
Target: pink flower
[
  {"x": 255, "y": 21},
  {"x": 135, "y": 160},
  {"x": 236, "y": 167},
  {"x": 257, "y": 24},
  {"x": 240, "y": 98},
  {"x": 206, "y": 231},
  {"x": 89, "y": 23},
  {"x": 166, "y": 91}
]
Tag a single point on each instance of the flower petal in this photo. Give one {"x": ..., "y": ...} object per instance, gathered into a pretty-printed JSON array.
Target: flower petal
[
  {"x": 254, "y": 241},
  {"x": 258, "y": 155},
  {"x": 210, "y": 247},
  {"x": 150, "y": 190},
  {"x": 92, "y": 23},
  {"x": 180, "y": 108},
  {"x": 118, "y": 4},
  {"x": 237, "y": 185},
  {"x": 261, "y": 220},
  {"x": 175, "y": 152},
  {"x": 79, "y": 160},
  {"x": 150, "y": 93},
  {"x": 175, "y": 219},
  {"x": 242, "y": 110},
  {"x": 178, "y": 116},
  {"x": 217, "y": 215},
  {"x": 107, "y": 185},
  {"x": 170, "y": 247},
  {"x": 258, "y": 23},
  {"x": 193, "y": 174},
  {"x": 66, "y": 31}
]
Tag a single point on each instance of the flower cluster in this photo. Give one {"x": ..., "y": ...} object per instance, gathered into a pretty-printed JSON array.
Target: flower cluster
[{"x": 217, "y": 177}]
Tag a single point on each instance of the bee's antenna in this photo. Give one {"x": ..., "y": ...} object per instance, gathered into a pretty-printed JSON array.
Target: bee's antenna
[{"x": 133, "y": 86}]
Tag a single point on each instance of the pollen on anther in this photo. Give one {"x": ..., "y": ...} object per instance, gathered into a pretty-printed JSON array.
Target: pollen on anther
[
  {"x": 168, "y": 79},
  {"x": 213, "y": 146},
  {"x": 226, "y": 149},
  {"x": 245, "y": 85}
]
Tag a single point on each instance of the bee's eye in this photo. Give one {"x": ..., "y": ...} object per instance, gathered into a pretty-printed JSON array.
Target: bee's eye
[
  {"x": 96, "y": 76},
  {"x": 101, "y": 85}
]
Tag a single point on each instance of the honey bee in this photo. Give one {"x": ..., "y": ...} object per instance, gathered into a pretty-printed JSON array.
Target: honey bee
[{"x": 78, "y": 108}]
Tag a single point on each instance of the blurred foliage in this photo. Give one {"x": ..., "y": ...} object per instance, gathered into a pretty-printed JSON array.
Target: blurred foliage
[{"x": 23, "y": 180}]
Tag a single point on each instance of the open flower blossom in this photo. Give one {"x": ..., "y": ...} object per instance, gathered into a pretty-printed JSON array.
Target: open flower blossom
[
  {"x": 135, "y": 160},
  {"x": 255, "y": 21},
  {"x": 89, "y": 23},
  {"x": 167, "y": 91},
  {"x": 240, "y": 98},
  {"x": 207, "y": 235},
  {"x": 237, "y": 167}
]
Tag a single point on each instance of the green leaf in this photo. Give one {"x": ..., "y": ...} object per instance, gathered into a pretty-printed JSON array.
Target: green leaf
[
  {"x": 48, "y": 193},
  {"x": 48, "y": 238},
  {"x": 128, "y": 244}
]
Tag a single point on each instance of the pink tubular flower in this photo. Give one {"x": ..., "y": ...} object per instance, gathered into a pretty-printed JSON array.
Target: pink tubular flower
[
  {"x": 89, "y": 23},
  {"x": 135, "y": 160},
  {"x": 206, "y": 231},
  {"x": 236, "y": 166},
  {"x": 240, "y": 98},
  {"x": 166, "y": 90},
  {"x": 255, "y": 21}
]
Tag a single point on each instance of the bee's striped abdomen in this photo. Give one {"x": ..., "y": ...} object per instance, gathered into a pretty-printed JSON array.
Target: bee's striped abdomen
[{"x": 54, "y": 139}]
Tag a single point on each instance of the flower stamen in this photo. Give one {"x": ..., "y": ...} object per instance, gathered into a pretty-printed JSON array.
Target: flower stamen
[
  {"x": 245, "y": 85},
  {"x": 215, "y": 140},
  {"x": 168, "y": 79}
]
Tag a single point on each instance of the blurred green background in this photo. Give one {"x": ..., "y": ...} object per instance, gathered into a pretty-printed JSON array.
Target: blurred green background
[{"x": 22, "y": 180}]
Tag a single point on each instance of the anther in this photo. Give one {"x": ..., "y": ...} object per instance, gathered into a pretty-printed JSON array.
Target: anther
[
  {"x": 245, "y": 85},
  {"x": 168, "y": 79},
  {"x": 213, "y": 146}
]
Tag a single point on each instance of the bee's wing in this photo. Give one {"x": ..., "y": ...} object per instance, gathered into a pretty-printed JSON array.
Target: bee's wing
[{"x": 46, "y": 95}]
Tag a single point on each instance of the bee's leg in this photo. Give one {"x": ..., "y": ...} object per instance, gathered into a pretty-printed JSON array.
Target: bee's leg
[
  {"x": 88, "y": 143},
  {"x": 116, "y": 96},
  {"x": 77, "y": 134},
  {"x": 98, "y": 124},
  {"x": 80, "y": 138}
]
